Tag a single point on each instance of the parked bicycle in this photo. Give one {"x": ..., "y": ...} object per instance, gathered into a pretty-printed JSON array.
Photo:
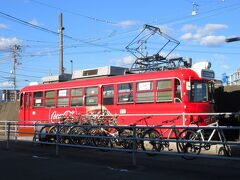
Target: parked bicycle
[
  {"x": 192, "y": 141},
  {"x": 156, "y": 140}
]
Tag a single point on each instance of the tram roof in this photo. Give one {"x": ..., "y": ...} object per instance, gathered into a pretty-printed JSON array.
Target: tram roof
[{"x": 181, "y": 73}]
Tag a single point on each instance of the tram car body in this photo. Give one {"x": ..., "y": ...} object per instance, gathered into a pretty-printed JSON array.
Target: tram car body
[{"x": 128, "y": 96}]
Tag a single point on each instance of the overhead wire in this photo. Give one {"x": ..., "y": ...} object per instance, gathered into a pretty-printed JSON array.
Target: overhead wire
[
  {"x": 74, "y": 13},
  {"x": 10, "y": 17}
]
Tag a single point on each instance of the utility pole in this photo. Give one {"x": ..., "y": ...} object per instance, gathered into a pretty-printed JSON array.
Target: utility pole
[
  {"x": 61, "y": 69},
  {"x": 15, "y": 50}
]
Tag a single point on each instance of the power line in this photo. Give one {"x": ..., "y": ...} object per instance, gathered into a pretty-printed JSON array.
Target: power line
[
  {"x": 74, "y": 13},
  {"x": 20, "y": 74},
  {"x": 27, "y": 23},
  {"x": 55, "y": 33}
]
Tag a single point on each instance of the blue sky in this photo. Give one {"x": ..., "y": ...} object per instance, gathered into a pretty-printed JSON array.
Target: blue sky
[{"x": 99, "y": 31}]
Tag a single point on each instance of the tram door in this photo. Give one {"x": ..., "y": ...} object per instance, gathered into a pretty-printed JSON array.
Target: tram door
[{"x": 27, "y": 106}]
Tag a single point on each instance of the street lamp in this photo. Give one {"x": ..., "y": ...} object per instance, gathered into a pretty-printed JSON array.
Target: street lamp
[
  {"x": 229, "y": 40},
  {"x": 71, "y": 61},
  {"x": 232, "y": 39}
]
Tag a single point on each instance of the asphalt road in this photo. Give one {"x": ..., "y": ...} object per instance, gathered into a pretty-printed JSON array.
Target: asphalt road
[{"x": 26, "y": 161}]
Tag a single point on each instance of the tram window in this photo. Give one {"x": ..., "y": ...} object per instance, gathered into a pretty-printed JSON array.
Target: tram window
[
  {"x": 50, "y": 99},
  {"x": 49, "y": 94},
  {"x": 211, "y": 92},
  {"x": 198, "y": 92},
  {"x": 38, "y": 102},
  {"x": 62, "y": 97},
  {"x": 177, "y": 91},
  {"x": 21, "y": 100},
  {"x": 164, "y": 91},
  {"x": 76, "y": 92},
  {"x": 26, "y": 100},
  {"x": 108, "y": 95},
  {"x": 76, "y": 97},
  {"x": 144, "y": 92},
  {"x": 50, "y": 102},
  {"x": 76, "y": 101},
  {"x": 125, "y": 93},
  {"x": 91, "y": 96},
  {"x": 91, "y": 101},
  {"x": 62, "y": 102},
  {"x": 62, "y": 93}
]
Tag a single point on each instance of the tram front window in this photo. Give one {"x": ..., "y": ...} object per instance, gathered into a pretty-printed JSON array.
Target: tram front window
[{"x": 199, "y": 92}]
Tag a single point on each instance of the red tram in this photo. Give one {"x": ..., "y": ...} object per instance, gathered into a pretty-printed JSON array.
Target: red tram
[{"x": 188, "y": 90}]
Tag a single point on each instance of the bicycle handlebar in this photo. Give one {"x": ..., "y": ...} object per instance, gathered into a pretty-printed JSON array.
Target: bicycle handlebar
[{"x": 171, "y": 120}]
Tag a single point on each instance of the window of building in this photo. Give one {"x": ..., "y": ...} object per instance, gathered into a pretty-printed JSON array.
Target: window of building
[
  {"x": 76, "y": 97},
  {"x": 108, "y": 95},
  {"x": 145, "y": 92},
  {"x": 38, "y": 99},
  {"x": 50, "y": 99},
  {"x": 62, "y": 98},
  {"x": 91, "y": 96},
  {"x": 125, "y": 93},
  {"x": 164, "y": 91}
]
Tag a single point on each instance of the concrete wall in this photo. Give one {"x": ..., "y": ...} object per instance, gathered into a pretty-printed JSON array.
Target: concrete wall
[{"x": 9, "y": 111}]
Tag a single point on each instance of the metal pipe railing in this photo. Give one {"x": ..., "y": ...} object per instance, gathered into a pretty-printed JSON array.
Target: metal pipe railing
[{"x": 134, "y": 139}]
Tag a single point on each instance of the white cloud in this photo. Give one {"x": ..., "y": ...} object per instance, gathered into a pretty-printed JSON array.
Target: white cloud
[
  {"x": 127, "y": 23},
  {"x": 8, "y": 42},
  {"x": 210, "y": 28},
  {"x": 225, "y": 67},
  {"x": 187, "y": 36},
  {"x": 164, "y": 28},
  {"x": 170, "y": 56},
  {"x": 212, "y": 40},
  {"x": 203, "y": 35},
  {"x": 3, "y": 26},
  {"x": 127, "y": 60},
  {"x": 220, "y": 61},
  {"x": 188, "y": 27},
  {"x": 6, "y": 84},
  {"x": 34, "y": 22}
]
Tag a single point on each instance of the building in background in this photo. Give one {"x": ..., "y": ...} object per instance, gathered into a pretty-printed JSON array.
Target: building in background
[
  {"x": 9, "y": 95},
  {"x": 234, "y": 79}
]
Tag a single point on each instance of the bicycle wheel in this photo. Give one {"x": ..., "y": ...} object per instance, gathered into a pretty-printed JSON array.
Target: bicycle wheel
[
  {"x": 52, "y": 137},
  {"x": 124, "y": 134},
  {"x": 99, "y": 141},
  {"x": 78, "y": 139},
  {"x": 151, "y": 141},
  {"x": 64, "y": 138},
  {"x": 225, "y": 150},
  {"x": 191, "y": 148},
  {"x": 42, "y": 135}
]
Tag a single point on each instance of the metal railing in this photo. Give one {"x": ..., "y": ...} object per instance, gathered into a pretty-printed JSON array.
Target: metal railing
[{"x": 186, "y": 141}]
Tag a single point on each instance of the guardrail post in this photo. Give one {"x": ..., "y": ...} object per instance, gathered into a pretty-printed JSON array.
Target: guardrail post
[
  {"x": 134, "y": 146},
  {"x": 8, "y": 134},
  {"x": 35, "y": 133},
  {"x": 183, "y": 118},
  {"x": 57, "y": 140},
  {"x": 5, "y": 132}
]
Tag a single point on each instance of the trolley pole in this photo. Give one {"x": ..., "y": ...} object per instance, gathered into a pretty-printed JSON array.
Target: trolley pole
[{"x": 61, "y": 69}]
